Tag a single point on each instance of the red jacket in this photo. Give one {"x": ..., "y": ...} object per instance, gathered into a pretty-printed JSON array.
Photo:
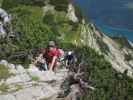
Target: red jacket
[{"x": 49, "y": 54}]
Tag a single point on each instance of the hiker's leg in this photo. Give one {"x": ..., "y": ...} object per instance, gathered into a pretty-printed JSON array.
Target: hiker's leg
[
  {"x": 44, "y": 66},
  {"x": 66, "y": 62}
]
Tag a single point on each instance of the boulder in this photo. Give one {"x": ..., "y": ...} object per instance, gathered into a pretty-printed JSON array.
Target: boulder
[{"x": 20, "y": 69}]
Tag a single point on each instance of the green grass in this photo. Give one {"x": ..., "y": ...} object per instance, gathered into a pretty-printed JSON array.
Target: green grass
[
  {"x": 4, "y": 72},
  {"x": 35, "y": 78}
]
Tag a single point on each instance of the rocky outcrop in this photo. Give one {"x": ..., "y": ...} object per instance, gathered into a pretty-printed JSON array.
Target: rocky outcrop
[
  {"x": 31, "y": 83},
  {"x": 71, "y": 13}
]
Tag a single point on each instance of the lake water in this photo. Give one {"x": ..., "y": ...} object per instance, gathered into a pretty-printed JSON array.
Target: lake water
[{"x": 110, "y": 16}]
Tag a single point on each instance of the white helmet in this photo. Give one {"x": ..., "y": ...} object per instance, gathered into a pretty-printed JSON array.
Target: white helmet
[{"x": 69, "y": 52}]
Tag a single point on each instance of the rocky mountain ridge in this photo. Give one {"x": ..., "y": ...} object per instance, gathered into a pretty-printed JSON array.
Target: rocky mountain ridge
[{"x": 116, "y": 55}]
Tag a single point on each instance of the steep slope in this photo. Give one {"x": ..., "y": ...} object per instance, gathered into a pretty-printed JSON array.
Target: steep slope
[
  {"x": 120, "y": 55},
  {"x": 34, "y": 23},
  {"x": 31, "y": 83}
]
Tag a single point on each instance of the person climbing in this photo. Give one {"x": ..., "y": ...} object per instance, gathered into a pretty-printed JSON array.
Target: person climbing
[
  {"x": 5, "y": 18},
  {"x": 50, "y": 55},
  {"x": 62, "y": 56},
  {"x": 70, "y": 58},
  {"x": 4, "y": 21},
  {"x": 39, "y": 61},
  {"x": 2, "y": 31}
]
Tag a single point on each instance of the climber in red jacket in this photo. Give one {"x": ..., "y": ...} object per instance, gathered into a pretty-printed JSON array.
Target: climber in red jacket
[{"x": 51, "y": 54}]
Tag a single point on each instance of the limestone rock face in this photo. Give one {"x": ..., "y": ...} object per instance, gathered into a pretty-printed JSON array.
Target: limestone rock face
[
  {"x": 71, "y": 13},
  {"x": 31, "y": 83}
]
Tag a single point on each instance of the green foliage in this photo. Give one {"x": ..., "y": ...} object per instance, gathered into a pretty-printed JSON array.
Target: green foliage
[
  {"x": 60, "y": 5},
  {"x": 33, "y": 29},
  {"x": 1, "y": 2},
  {"x": 4, "y": 88},
  {"x": 108, "y": 83},
  {"x": 4, "y": 72},
  {"x": 28, "y": 21},
  {"x": 103, "y": 46},
  {"x": 9, "y": 4},
  {"x": 128, "y": 57}
]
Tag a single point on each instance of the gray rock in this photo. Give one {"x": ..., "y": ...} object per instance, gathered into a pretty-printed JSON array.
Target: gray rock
[
  {"x": 34, "y": 71},
  {"x": 25, "y": 77},
  {"x": 11, "y": 66},
  {"x": 49, "y": 92},
  {"x": 20, "y": 69},
  {"x": 7, "y": 97},
  {"x": 42, "y": 75},
  {"x": 23, "y": 95},
  {"x": 47, "y": 87},
  {"x": 29, "y": 93},
  {"x": 71, "y": 13},
  {"x": 14, "y": 79},
  {"x": 47, "y": 76}
]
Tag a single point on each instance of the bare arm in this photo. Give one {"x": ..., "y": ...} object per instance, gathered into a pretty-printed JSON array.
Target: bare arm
[{"x": 51, "y": 66}]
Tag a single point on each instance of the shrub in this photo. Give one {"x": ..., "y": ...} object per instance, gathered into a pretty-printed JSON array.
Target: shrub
[
  {"x": 4, "y": 88},
  {"x": 60, "y": 5},
  {"x": 122, "y": 41},
  {"x": 128, "y": 57},
  {"x": 109, "y": 84},
  {"x": 4, "y": 72}
]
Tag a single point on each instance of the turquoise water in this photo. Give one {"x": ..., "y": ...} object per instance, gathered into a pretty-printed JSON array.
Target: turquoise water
[
  {"x": 112, "y": 31},
  {"x": 110, "y": 16}
]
